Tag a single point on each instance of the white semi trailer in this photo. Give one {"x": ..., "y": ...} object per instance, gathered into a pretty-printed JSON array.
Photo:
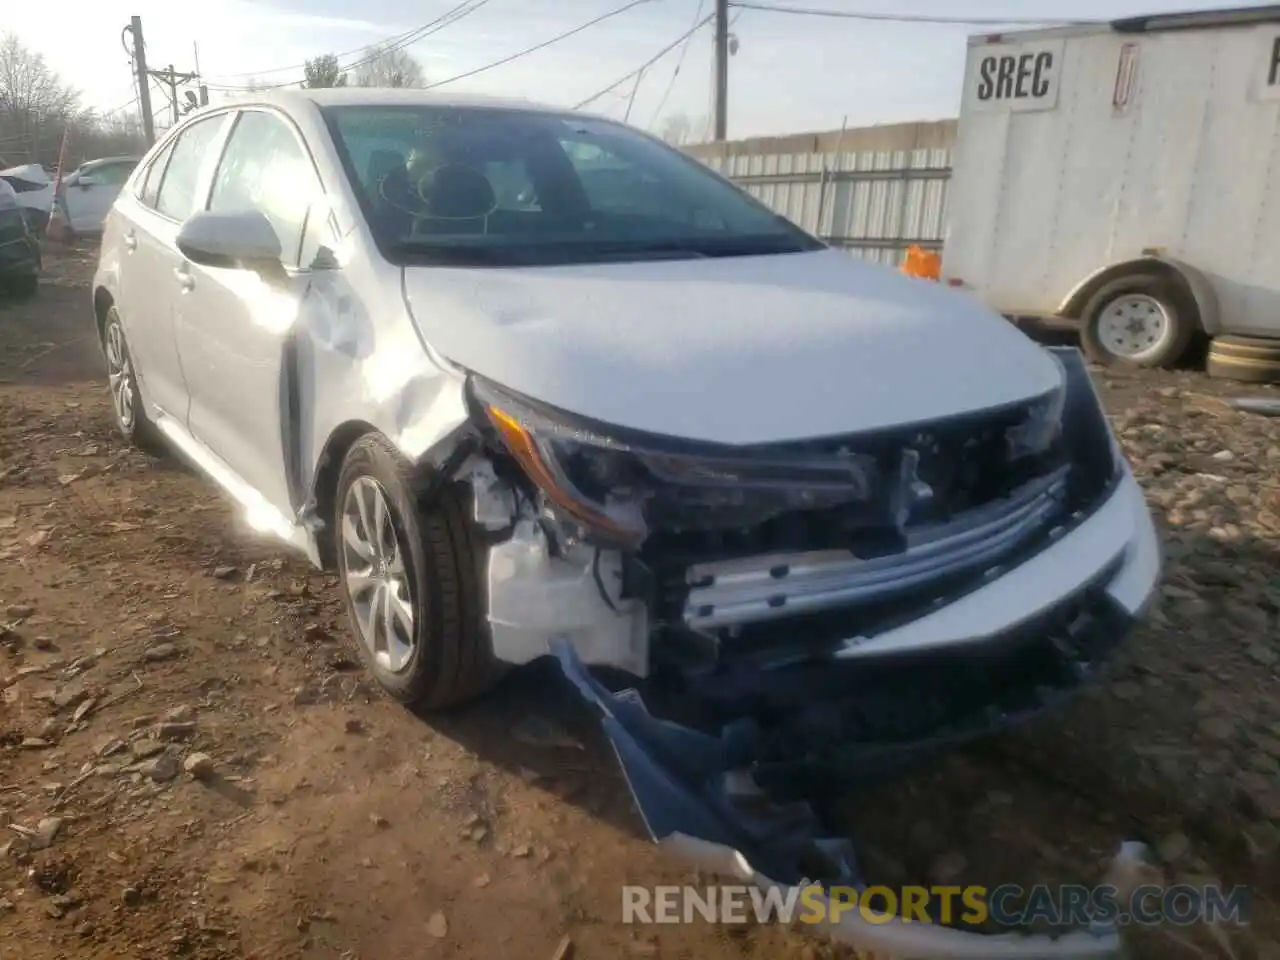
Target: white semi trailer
[{"x": 1125, "y": 177}]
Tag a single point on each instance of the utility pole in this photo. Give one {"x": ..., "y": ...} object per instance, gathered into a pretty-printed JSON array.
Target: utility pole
[
  {"x": 143, "y": 77},
  {"x": 173, "y": 94},
  {"x": 173, "y": 78},
  {"x": 204, "y": 91},
  {"x": 722, "y": 70}
]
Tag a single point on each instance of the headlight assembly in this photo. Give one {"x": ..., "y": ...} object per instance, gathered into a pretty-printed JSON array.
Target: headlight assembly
[
  {"x": 590, "y": 478},
  {"x": 609, "y": 485},
  {"x": 1091, "y": 445},
  {"x": 1043, "y": 424}
]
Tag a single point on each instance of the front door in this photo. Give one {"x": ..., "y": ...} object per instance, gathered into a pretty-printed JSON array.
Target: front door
[{"x": 235, "y": 333}]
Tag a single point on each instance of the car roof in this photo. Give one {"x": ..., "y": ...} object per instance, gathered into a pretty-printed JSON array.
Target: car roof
[
  {"x": 101, "y": 161},
  {"x": 387, "y": 96}
]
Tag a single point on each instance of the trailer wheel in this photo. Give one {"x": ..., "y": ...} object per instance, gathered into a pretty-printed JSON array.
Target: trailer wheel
[
  {"x": 1137, "y": 321},
  {"x": 1246, "y": 359}
]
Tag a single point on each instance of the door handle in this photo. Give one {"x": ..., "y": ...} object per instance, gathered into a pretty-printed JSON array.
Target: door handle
[
  {"x": 185, "y": 280},
  {"x": 130, "y": 241}
]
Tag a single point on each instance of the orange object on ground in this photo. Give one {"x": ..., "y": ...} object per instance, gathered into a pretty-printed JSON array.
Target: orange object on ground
[{"x": 919, "y": 262}]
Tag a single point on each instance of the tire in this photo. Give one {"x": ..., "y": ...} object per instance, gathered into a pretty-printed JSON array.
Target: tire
[
  {"x": 1139, "y": 291},
  {"x": 134, "y": 425},
  {"x": 434, "y": 570},
  {"x": 1245, "y": 359}
]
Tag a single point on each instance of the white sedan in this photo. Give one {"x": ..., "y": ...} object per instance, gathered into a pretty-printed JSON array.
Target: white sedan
[{"x": 639, "y": 421}]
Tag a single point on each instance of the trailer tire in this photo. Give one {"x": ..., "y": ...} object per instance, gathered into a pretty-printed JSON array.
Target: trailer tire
[
  {"x": 1161, "y": 323},
  {"x": 1245, "y": 359}
]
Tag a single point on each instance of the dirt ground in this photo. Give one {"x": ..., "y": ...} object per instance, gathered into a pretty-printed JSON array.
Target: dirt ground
[{"x": 142, "y": 627}]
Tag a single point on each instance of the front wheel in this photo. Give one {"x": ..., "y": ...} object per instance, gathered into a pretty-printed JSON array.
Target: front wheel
[
  {"x": 1137, "y": 321},
  {"x": 411, "y": 576}
]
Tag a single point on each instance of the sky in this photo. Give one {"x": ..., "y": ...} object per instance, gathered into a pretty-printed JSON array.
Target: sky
[{"x": 790, "y": 73}]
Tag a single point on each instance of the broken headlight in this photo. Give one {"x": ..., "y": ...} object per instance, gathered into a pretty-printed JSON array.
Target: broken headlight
[
  {"x": 608, "y": 484},
  {"x": 589, "y": 478},
  {"x": 1043, "y": 424},
  {"x": 1089, "y": 442}
]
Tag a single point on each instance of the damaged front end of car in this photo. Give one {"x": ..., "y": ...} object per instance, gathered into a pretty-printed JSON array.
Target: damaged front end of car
[{"x": 812, "y": 613}]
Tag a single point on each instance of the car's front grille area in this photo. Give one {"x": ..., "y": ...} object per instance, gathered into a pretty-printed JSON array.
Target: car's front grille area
[
  {"x": 731, "y": 593},
  {"x": 963, "y": 462}
]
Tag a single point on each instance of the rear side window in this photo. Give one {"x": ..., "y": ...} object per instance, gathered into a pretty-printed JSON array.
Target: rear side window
[
  {"x": 149, "y": 188},
  {"x": 177, "y": 197},
  {"x": 150, "y": 184}
]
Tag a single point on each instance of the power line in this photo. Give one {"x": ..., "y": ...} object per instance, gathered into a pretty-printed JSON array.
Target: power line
[
  {"x": 448, "y": 19},
  {"x": 684, "y": 51},
  {"x": 908, "y": 17},
  {"x": 370, "y": 52},
  {"x": 544, "y": 44},
  {"x": 365, "y": 49},
  {"x": 648, "y": 63},
  {"x": 488, "y": 66}
]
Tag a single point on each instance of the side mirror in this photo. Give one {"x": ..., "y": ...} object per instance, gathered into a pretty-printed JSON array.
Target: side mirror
[
  {"x": 85, "y": 183},
  {"x": 235, "y": 240}
]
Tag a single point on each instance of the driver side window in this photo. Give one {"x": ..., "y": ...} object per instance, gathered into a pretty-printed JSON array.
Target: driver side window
[
  {"x": 264, "y": 168},
  {"x": 177, "y": 197}
]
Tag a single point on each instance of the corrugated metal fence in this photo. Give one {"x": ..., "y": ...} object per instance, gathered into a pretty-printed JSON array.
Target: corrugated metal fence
[{"x": 874, "y": 190}]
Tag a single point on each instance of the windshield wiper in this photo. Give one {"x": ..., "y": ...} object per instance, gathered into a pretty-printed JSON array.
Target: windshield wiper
[{"x": 551, "y": 252}]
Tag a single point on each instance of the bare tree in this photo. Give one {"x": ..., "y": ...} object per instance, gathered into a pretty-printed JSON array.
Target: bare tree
[
  {"x": 35, "y": 105},
  {"x": 37, "y": 109},
  {"x": 390, "y": 67},
  {"x": 324, "y": 71}
]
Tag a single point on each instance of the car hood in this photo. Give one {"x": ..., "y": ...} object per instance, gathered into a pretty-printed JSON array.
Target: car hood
[{"x": 735, "y": 350}]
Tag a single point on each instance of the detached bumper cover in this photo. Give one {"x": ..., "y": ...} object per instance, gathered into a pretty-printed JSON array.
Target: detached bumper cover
[{"x": 733, "y": 801}]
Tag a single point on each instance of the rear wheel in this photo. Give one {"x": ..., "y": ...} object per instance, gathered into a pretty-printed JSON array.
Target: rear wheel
[
  {"x": 126, "y": 402},
  {"x": 1137, "y": 321},
  {"x": 411, "y": 575}
]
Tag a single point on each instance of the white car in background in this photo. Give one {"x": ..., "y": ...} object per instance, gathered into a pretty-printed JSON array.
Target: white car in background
[
  {"x": 86, "y": 195},
  {"x": 88, "y": 192}
]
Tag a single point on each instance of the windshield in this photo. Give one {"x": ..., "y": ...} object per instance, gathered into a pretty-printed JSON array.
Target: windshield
[{"x": 498, "y": 187}]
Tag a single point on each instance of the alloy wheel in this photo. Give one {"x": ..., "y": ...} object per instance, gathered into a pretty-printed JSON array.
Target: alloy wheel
[
  {"x": 375, "y": 575},
  {"x": 120, "y": 376}
]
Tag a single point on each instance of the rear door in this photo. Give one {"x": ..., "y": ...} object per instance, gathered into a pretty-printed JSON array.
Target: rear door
[{"x": 151, "y": 284}]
